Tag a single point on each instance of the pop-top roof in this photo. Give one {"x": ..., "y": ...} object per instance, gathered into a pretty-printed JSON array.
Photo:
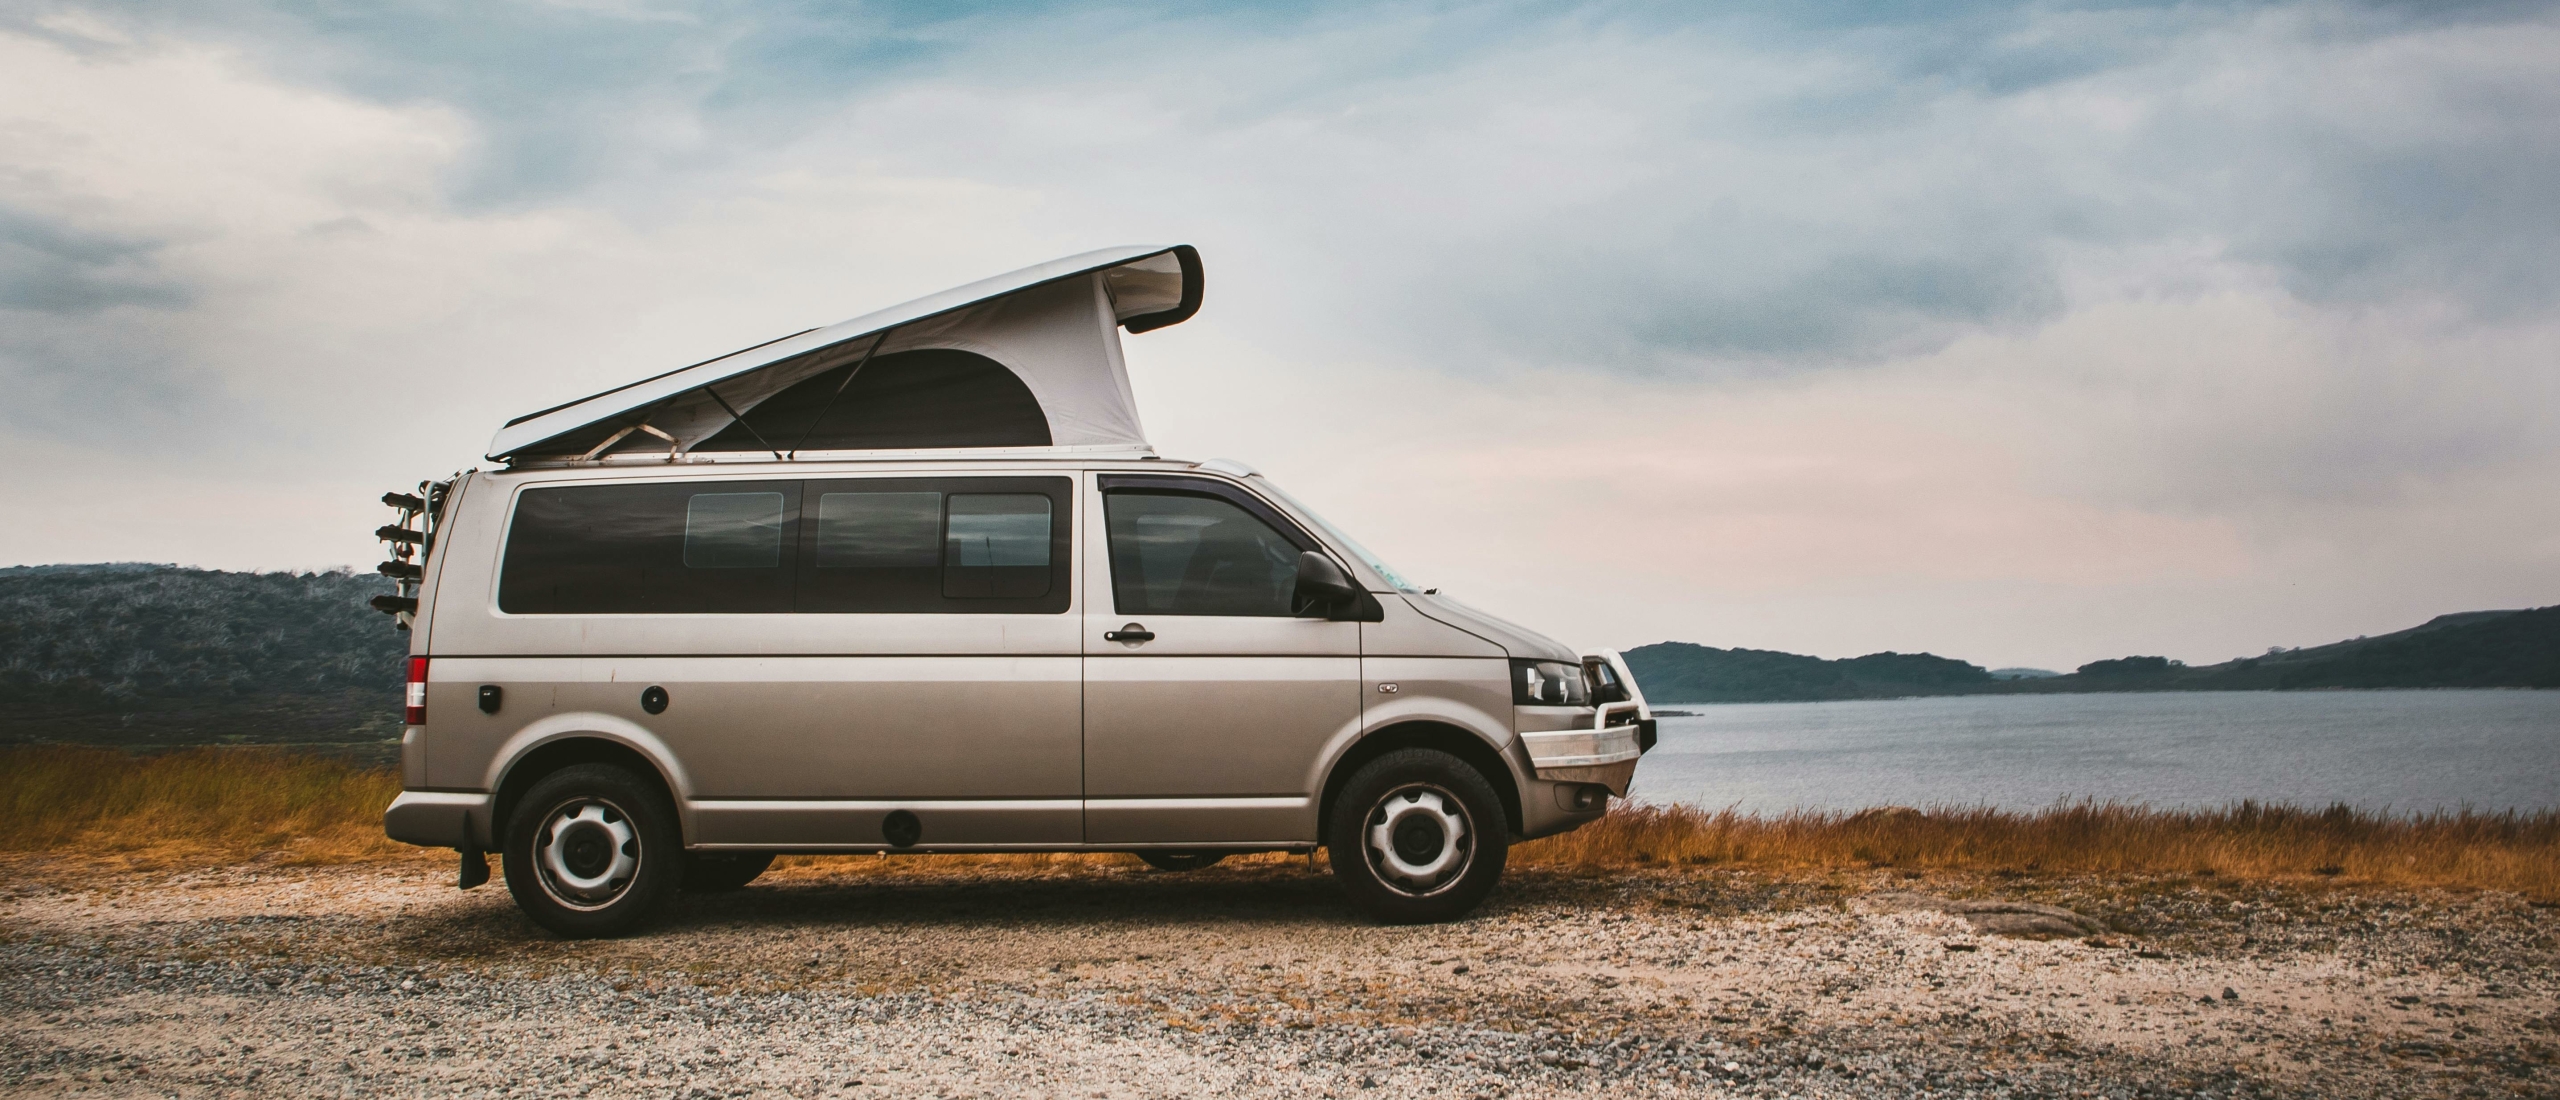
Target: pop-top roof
[{"x": 1026, "y": 359}]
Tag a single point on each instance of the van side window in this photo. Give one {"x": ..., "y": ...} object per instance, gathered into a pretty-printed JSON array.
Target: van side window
[
  {"x": 1183, "y": 554},
  {"x": 733, "y": 531},
  {"x": 658, "y": 548},
  {"x": 879, "y": 530},
  {"x": 971, "y": 546},
  {"x": 986, "y": 545},
  {"x": 998, "y": 547}
]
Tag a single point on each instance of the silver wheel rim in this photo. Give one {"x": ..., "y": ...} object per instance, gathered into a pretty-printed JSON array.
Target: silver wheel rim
[
  {"x": 1419, "y": 840},
  {"x": 587, "y": 853}
]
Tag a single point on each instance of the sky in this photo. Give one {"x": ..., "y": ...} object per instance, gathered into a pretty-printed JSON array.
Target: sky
[{"x": 2030, "y": 334}]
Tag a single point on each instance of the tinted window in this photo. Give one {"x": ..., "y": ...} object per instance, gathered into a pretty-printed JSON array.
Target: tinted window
[
  {"x": 964, "y": 545},
  {"x": 879, "y": 530},
  {"x": 666, "y": 548},
  {"x": 1180, "y": 554},
  {"x": 733, "y": 531},
  {"x": 997, "y": 546},
  {"x": 951, "y": 545}
]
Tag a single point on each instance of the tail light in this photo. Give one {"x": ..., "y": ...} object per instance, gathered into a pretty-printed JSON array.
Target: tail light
[{"x": 416, "y": 713}]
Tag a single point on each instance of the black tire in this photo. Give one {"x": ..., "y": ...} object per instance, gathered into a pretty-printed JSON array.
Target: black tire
[
  {"x": 1446, "y": 837},
  {"x": 721, "y": 872},
  {"x": 1181, "y": 861},
  {"x": 592, "y": 850}
]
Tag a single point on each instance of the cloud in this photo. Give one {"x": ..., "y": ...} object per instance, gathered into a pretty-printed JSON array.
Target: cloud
[
  {"x": 150, "y": 193},
  {"x": 1864, "y": 198},
  {"x": 48, "y": 267},
  {"x": 1757, "y": 188}
]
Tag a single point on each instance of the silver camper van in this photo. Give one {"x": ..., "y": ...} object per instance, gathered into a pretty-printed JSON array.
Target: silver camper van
[{"x": 917, "y": 583}]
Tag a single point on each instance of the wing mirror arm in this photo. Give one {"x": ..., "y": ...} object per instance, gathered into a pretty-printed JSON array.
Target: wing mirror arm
[{"x": 1324, "y": 591}]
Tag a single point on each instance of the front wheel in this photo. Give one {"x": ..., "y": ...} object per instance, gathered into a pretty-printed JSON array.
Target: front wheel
[
  {"x": 1418, "y": 836},
  {"x": 592, "y": 850}
]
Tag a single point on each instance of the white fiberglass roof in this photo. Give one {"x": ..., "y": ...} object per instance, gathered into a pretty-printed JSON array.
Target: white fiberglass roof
[{"x": 1026, "y": 359}]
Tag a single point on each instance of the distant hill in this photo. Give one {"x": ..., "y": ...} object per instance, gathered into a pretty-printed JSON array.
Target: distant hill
[
  {"x": 1678, "y": 672},
  {"x": 2508, "y": 649},
  {"x": 141, "y": 654},
  {"x": 2518, "y": 649}
]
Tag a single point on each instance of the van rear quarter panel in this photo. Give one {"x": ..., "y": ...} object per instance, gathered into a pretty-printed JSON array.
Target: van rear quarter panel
[{"x": 792, "y": 727}]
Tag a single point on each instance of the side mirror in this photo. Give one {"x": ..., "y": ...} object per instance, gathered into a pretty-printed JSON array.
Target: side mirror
[
  {"x": 1605, "y": 688},
  {"x": 1322, "y": 587}
]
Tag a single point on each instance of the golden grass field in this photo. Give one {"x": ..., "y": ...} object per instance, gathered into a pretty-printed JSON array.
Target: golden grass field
[
  {"x": 217, "y": 803},
  {"x": 237, "y": 804}
]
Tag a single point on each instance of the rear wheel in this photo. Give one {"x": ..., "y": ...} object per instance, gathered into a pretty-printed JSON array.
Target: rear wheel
[
  {"x": 1180, "y": 861},
  {"x": 592, "y": 850},
  {"x": 718, "y": 872},
  {"x": 1418, "y": 836}
]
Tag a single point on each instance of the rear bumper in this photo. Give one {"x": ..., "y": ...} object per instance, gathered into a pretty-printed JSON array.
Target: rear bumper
[
  {"x": 1604, "y": 756},
  {"x": 437, "y": 819}
]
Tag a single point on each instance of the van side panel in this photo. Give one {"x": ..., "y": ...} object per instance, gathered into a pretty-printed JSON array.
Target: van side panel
[
  {"x": 931, "y": 727},
  {"x": 973, "y": 722}
]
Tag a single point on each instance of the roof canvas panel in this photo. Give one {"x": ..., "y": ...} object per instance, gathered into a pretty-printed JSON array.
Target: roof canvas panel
[{"x": 1055, "y": 327}]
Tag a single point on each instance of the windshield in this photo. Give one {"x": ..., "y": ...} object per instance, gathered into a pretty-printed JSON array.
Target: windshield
[{"x": 1340, "y": 539}]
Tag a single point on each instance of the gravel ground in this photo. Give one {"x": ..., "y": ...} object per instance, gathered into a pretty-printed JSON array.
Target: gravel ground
[{"x": 906, "y": 978}]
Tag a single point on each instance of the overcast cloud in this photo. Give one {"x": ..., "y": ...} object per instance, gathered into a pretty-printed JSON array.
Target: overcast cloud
[{"x": 2023, "y": 333}]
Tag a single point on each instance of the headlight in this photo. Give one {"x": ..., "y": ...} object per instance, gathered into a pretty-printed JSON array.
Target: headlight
[{"x": 1548, "y": 684}]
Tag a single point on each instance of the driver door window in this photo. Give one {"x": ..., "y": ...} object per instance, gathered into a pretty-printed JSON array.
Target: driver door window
[{"x": 1176, "y": 554}]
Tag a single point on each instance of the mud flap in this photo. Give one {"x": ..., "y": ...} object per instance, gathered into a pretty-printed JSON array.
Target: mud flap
[{"x": 475, "y": 868}]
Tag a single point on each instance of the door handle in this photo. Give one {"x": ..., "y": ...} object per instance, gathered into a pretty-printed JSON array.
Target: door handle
[{"x": 1132, "y": 632}]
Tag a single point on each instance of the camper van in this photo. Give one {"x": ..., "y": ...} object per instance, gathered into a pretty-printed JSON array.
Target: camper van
[{"x": 917, "y": 583}]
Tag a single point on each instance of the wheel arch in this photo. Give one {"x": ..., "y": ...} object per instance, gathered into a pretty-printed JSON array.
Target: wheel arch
[
  {"x": 1423, "y": 734},
  {"x": 530, "y": 766}
]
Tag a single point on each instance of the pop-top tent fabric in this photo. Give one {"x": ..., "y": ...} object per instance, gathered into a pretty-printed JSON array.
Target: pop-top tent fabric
[{"x": 1026, "y": 359}]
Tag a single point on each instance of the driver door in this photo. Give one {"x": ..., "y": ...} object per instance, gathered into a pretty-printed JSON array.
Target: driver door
[{"x": 1208, "y": 705}]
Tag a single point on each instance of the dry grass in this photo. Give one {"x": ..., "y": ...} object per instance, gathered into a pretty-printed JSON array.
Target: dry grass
[
  {"x": 194, "y": 804},
  {"x": 2502, "y": 851},
  {"x": 253, "y": 803}
]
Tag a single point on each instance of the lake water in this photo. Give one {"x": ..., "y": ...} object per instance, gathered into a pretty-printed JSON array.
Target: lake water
[{"x": 2379, "y": 750}]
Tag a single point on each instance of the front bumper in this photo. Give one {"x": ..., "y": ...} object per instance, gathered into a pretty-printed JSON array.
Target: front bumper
[
  {"x": 1606, "y": 756},
  {"x": 437, "y": 819}
]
